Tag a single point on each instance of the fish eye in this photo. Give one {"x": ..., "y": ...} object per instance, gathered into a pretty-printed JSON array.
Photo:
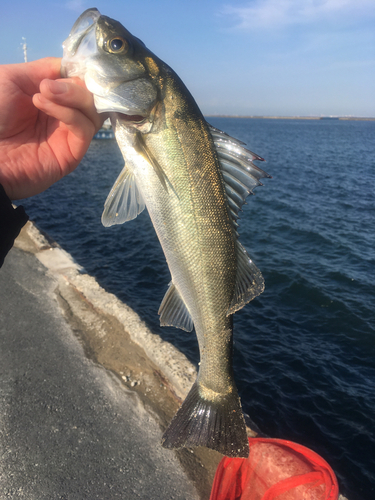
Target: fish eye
[{"x": 117, "y": 45}]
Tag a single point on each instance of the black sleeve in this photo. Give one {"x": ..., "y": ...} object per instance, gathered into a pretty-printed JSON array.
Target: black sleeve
[{"x": 12, "y": 221}]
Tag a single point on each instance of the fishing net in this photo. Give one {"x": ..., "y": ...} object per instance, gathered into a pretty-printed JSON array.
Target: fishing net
[{"x": 275, "y": 469}]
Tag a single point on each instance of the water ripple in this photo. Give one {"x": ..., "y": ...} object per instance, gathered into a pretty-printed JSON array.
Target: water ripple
[{"x": 304, "y": 350}]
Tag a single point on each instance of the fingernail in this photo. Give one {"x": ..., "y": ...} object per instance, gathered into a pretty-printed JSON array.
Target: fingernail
[{"x": 57, "y": 87}]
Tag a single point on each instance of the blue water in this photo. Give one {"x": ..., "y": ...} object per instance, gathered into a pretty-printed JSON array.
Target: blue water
[{"x": 305, "y": 349}]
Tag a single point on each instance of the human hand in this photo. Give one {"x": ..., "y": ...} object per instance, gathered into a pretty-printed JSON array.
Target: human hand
[{"x": 46, "y": 126}]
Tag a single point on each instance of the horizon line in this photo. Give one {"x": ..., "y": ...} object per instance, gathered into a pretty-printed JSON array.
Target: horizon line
[{"x": 295, "y": 117}]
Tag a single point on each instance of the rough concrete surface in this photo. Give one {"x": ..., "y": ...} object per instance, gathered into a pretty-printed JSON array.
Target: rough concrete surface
[{"x": 85, "y": 389}]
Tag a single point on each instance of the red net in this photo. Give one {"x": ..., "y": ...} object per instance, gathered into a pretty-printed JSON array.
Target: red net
[{"x": 275, "y": 469}]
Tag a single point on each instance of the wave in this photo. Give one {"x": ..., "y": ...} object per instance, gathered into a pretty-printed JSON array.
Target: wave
[{"x": 304, "y": 349}]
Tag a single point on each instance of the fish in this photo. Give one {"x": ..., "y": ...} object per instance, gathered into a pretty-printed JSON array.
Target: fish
[{"x": 194, "y": 179}]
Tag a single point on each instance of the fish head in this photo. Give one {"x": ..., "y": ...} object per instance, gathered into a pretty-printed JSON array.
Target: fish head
[{"x": 114, "y": 64}]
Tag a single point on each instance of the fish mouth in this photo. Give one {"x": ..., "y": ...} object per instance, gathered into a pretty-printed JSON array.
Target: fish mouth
[
  {"x": 81, "y": 38},
  {"x": 81, "y": 28},
  {"x": 135, "y": 119}
]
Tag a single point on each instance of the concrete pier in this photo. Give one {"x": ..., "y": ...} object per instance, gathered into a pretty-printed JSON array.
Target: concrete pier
[{"x": 85, "y": 389}]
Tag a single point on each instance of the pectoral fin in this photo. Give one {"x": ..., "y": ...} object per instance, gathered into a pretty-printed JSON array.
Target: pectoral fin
[
  {"x": 173, "y": 311},
  {"x": 124, "y": 202}
]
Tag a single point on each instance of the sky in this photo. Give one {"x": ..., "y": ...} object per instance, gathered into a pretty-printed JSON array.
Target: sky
[{"x": 251, "y": 57}]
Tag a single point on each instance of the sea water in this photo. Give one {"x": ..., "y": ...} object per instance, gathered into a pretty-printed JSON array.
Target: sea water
[{"x": 304, "y": 352}]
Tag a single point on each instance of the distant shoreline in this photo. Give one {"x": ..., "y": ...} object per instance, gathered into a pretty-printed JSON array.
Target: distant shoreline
[{"x": 356, "y": 118}]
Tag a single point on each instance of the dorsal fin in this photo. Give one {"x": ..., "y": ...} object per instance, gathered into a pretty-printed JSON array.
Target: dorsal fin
[
  {"x": 249, "y": 281},
  {"x": 240, "y": 174}
]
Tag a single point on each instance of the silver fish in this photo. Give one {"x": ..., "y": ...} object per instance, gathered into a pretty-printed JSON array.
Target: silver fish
[{"x": 193, "y": 179}]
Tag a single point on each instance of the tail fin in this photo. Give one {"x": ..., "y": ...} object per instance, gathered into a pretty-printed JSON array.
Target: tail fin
[{"x": 217, "y": 424}]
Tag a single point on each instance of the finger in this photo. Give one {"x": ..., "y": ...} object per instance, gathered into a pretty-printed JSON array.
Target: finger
[
  {"x": 29, "y": 75},
  {"x": 72, "y": 93},
  {"x": 49, "y": 67},
  {"x": 75, "y": 120}
]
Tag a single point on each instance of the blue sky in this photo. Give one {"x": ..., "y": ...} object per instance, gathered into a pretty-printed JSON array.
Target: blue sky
[{"x": 257, "y": 57}]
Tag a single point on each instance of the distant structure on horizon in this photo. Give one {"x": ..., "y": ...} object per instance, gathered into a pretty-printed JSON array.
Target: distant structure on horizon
[
  {"x": 24, "y": 48},
  {"x": 360, "y": 118}
]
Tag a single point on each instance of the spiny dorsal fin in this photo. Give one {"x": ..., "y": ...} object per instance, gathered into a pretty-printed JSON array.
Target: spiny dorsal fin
[
  {"x": 173, "y": 311},
  {"x": 240, "y": 174},
  {"x": 124, "y": 201}
]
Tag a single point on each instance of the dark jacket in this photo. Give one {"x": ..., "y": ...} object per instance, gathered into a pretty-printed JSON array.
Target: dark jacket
[{"x": 12, "y": 221}]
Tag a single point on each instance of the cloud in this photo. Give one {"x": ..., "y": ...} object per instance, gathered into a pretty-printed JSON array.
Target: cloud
[
  {"x": 281, "y": 13},
  {"x": 76, "y": 5}
]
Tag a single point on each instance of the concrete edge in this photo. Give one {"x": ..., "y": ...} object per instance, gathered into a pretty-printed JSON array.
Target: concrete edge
[{"x": 171, "y": 362}]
